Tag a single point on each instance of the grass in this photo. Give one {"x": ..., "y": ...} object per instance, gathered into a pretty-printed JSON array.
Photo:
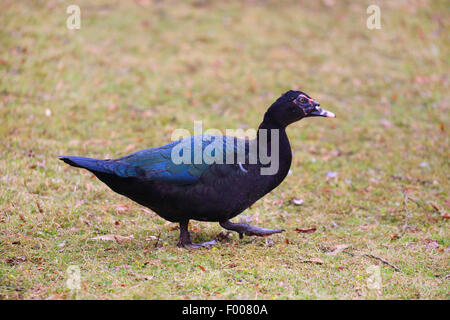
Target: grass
[{"x": 136, "y": 71}]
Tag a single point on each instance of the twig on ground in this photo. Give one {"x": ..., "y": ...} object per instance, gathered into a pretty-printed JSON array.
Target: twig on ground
[{"x": 369, "y": 255}]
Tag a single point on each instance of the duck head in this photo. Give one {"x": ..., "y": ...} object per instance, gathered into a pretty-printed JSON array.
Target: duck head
[{"x": 293, "y": 106}]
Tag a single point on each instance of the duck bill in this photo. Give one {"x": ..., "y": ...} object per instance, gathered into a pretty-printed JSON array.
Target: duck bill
[{"x": 319, "y": 112}]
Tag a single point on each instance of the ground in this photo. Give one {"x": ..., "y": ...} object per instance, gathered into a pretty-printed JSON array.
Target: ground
[{"x": 366, "y": 203}]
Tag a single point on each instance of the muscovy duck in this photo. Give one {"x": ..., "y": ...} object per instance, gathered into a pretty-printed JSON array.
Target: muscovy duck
[{"x": 209, "y": 189}]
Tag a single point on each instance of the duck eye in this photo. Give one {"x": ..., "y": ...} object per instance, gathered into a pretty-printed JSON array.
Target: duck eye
[{"x": 302, "y": 100}]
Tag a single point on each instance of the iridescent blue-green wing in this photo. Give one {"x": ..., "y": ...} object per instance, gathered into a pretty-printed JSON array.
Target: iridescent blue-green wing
[{"x": 177, "y": 163}]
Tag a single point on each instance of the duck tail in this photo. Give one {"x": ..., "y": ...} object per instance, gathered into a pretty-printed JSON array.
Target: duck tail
[{"x": 94, "y": 165}]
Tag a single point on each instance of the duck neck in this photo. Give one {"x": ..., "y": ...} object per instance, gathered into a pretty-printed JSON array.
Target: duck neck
[{"x": 268, "y": 131}]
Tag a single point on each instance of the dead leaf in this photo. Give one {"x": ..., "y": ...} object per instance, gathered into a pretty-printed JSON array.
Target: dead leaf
[
  {"x": 310, "y": 230},
  {"x": 394, "y": 236},
  {"x": 434, "y": 205},
  {"x": 201, "y": 267}
]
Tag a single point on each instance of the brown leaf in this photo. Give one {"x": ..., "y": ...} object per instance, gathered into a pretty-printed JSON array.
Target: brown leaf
[
  {"x": 394, "y": 236},
  {"x": 202, "y": 268},
  {"x": 434, "y": 205},
  {"x": 310, "y": 230}
]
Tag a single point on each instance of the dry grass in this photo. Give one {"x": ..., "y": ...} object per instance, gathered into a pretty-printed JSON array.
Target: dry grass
[{"x": 136, "y": 71}]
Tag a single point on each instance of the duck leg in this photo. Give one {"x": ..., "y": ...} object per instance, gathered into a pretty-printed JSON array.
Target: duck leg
[
  {"x": 185, "y": 238},
  {"x": 245, "y": 228}
]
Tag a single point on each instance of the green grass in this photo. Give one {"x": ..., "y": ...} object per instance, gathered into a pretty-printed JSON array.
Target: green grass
[{"x": 134, "y": 73}]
